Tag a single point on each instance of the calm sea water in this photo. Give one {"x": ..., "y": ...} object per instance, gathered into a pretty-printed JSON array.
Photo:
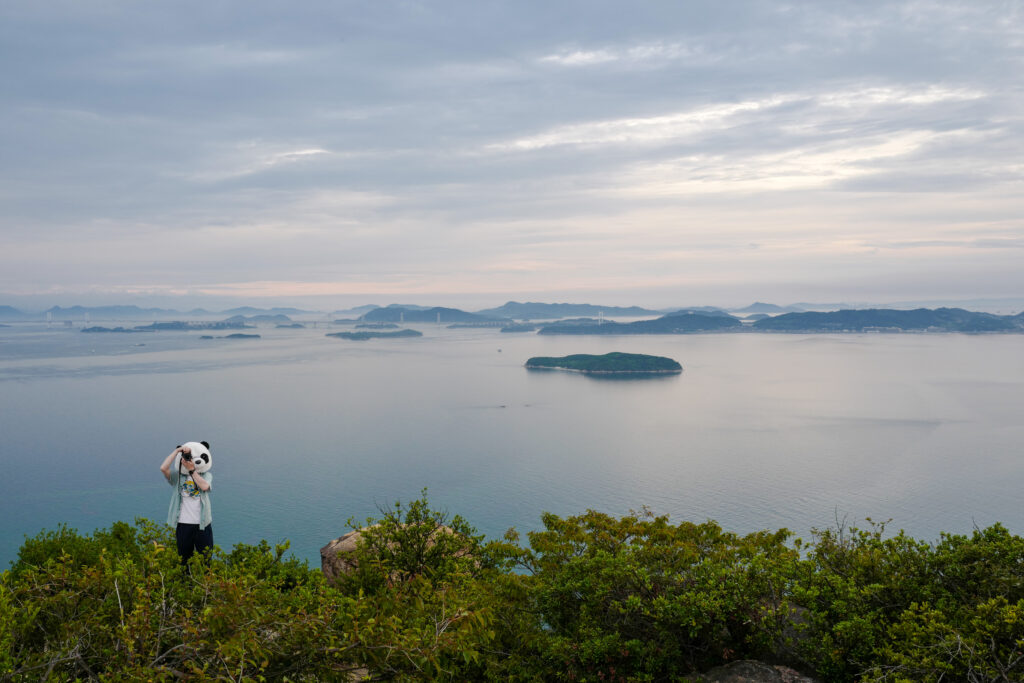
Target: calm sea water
[{"x": 760, "y": 431}]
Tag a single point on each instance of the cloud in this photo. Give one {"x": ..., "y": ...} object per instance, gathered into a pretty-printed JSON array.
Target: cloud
[
  {"x": 503, "y": 147},
  {"x": 693, "y": 123},
  {"x": 634, "y": 55},
  {"x": 248, "y": 158},
  {"x": 646, "y": 130}
]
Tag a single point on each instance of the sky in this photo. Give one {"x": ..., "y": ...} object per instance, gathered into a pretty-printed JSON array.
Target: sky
[{"x": 337, "y": 153}]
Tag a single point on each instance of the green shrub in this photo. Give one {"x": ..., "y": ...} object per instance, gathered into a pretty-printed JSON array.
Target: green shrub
[
  {"x": 246, "y": 615},
  {"x": 592, "y": 598},
  {"x": 638, "y": 598},
  {"x": 897, "y": 609}
]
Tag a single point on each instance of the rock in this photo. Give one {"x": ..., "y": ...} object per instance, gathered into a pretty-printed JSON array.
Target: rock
[
  {"x": 749, "y": 671},
  {"x": 336, "y": 557}
]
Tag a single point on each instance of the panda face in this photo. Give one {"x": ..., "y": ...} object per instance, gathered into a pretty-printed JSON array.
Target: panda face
[{"x": 200, "y": 456}]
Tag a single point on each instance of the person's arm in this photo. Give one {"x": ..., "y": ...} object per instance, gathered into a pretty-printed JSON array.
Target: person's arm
[
  {"x": 198, "y": 478},
  {"x": 165, "y": 468}
]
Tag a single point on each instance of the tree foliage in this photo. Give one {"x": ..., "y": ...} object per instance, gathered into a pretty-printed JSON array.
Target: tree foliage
[{"x": 588, "y": 598}]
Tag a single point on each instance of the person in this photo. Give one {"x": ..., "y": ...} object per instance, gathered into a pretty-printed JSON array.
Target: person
[{"x": 187, "y": 469}]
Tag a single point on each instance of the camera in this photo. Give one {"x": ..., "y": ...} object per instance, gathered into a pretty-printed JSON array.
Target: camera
[{"x": 186, "y": 456}]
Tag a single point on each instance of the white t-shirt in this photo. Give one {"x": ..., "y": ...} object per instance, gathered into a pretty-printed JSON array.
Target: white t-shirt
[{"x": 190, "y": 504}]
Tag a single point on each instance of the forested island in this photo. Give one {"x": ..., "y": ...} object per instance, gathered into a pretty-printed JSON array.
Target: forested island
[
  {"x": 681, "y": 322},
  {"x": 614, "y": 363},
  {"x": 377, "y": 326},
  {"x": 363, "y": 335},
  {"x": 519, "y": 327},
  {"x": 422, "y": 596},
  {"x": 98, "y": 329},
  {"x": 847, "y": 320},
  {"x": 891, "y": 320},
  {"x": 236, "y": 335}
]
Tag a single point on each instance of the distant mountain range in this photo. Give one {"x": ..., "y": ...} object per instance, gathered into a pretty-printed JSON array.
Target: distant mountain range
[
  {"x": 249, "y": 310},
  {"x": 81, "y": 313},
  {"x": 538, "y": 311},
  {"x": 438, "y": 314},
  {"x": 759, "y": 307},
  {"x": 795, "y": 317},
  {"x": 9, "y": 313}
]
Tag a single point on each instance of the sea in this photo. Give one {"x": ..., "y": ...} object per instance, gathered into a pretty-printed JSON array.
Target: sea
[{"x": 310, "y": 434}]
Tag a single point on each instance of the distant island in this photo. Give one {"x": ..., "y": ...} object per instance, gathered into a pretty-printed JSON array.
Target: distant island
[
  {"x": 437, "y": 314},
  {"x": 519, "y": 327},
  {"x": 682, "y": 322},
  {"x": 377, "y": 326},
  {"x": 891, "y": 320},
  {"x": 363, "y": 335},
  {"x": 534, "y": 310},
  {"x": 176, "y": 325},
  {"x": 237, "y": 335},
  {"x": 131, "y": 312},
  {"x": 561, "y": 318},
  {"x": 614, "y": 363},
  {"x": 120, "y": 330},
  {"x": 182, "y": 325}
]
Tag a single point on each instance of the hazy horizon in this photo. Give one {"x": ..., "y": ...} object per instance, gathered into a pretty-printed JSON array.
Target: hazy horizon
[{"x": 1008, "y": 305}]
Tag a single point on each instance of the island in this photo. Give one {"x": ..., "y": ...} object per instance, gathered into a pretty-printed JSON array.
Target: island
[
  {"x": 519, "y": 327},
  {"x": 407, "y": 314},
  {"x": 891, "y": 320},
  {"x": 377, "y": 326},
  {"x": 363, "y": 335},
  {"x": 539, "y": 311},
  {"x": 119, "y": 330},
  {"x": 237, "y": 335},
  {"x": 615, "y": 363},
  {"x": 680, "y": 322}
]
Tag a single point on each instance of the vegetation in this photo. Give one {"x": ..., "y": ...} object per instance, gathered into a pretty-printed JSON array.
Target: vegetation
[
  {"x": 236, "y": 335},
  {"x": 681, "y": 322},
  {"x": 587, "y": 598},
  {"x": 119, "y": 329},
  {"x": 363, "y": 335},
  {"x": 519, "y": 327},
  {"x": 883, "y": 319},
  {"x": 615, "y": 362}
]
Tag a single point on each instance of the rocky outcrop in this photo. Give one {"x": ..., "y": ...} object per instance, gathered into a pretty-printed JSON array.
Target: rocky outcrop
[
  {"x": 748, "y": 671},
  {"x": 337, "y": 557}
]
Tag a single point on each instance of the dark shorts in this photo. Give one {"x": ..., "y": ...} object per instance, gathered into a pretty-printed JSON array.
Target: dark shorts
[{"x": 191, "y": 539}]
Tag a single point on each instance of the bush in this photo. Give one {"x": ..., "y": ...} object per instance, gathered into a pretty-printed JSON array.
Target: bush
[
  {"x": 245, "y": 615},
  {"x": 592, "y": 598},
  {"x": 897, "y": 609},
  {"x": 638, "y": 598}
]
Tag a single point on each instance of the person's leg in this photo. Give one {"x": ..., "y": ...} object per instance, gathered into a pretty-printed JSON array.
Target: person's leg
[
  {"x": 204, "y": 539},
  {"x": 185, "y": 535}
]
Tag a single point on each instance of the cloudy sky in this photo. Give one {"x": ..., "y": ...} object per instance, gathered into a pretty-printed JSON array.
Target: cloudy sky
[{"x": 465, "y": 153}]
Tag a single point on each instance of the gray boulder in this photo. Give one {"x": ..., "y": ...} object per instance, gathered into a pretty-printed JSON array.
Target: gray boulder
[
  {"x": 749, "y": 671},
  {"x": 336, "y": 558}
]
